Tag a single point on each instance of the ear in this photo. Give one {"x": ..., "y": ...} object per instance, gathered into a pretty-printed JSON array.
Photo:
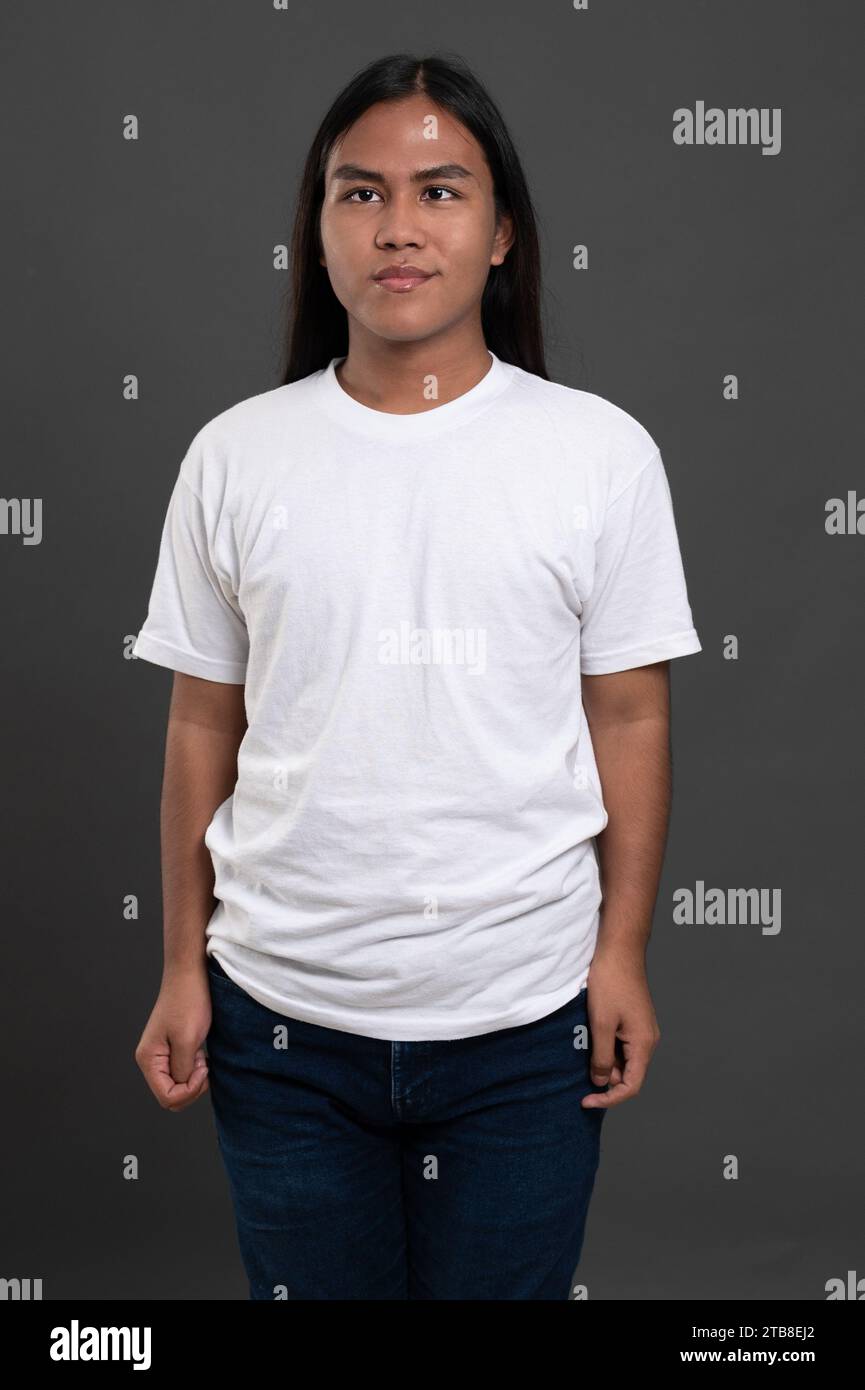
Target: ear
[{"x": 503, "y": 240}]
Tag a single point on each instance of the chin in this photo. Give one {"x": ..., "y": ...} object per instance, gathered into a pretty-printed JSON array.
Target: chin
[{"x": 395, "y": 328}]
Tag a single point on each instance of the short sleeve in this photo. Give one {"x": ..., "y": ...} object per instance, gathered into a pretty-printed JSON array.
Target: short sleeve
[
  {"x": 638, "y": 610},
  {"x": 194, "y": 623}
]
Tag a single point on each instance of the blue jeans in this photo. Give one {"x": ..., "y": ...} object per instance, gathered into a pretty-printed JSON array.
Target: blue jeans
[{"x": 366, "y": 1169}]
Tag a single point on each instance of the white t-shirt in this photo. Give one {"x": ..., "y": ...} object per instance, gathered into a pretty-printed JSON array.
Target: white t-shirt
[{"x": 410, "y": 600}]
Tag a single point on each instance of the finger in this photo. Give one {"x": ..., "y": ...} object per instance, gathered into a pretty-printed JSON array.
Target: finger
[
  {"x": 184, "y": 1057},
  {"x": 615, "y": 1078},
  {"x": 184, "y": 1101},
  {"x": 157, "y": 1073},
  {"x": 605, "y": 1101},
  {"x": 603, "y": 1054},
  {"x": 625, "y": 1083},
  {"x": 184, "y": 1093}
]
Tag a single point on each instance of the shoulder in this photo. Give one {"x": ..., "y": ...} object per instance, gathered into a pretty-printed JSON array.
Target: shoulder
[
  {"x": 256, "y": 415},
  {"x": 245, "y": 432},
  {"x": 596, "y": 434}
]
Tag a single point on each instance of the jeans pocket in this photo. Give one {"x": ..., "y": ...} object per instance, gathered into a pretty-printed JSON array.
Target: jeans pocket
[{"x": 217, "y": 975}]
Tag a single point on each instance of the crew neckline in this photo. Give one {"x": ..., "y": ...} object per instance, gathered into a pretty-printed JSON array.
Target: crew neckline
[{"x": 382, "y": 424}]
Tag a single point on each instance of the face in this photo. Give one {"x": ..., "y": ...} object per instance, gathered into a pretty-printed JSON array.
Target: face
[{"x": 408, "y": 185}]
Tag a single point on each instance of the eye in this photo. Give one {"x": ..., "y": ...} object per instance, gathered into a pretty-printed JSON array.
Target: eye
[{"x": 432, "y": 188}]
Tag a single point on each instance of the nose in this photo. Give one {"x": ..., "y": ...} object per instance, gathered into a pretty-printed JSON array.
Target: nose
[{"x": 400, "y": 222}]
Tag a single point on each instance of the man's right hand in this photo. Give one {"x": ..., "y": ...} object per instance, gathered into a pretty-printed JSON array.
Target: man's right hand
[{"x": 171, "y": 1053}]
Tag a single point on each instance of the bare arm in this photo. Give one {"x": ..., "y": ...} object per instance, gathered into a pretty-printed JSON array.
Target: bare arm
[
  {"x": 206, "y": 723},
  {"x": 629, "y": 718}
]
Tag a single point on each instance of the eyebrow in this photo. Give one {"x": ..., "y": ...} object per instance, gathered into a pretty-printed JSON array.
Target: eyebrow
[{"x": 344, "y": 172}]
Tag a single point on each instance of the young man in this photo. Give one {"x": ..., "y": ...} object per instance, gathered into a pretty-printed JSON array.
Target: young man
[{"x": 421, "y": 603}]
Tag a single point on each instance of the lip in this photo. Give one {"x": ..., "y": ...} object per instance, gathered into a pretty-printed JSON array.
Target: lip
[{"x": 401, "y": 278}]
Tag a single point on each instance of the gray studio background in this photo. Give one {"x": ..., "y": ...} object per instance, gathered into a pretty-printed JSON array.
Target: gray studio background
[{"x": 154, "y": 257}]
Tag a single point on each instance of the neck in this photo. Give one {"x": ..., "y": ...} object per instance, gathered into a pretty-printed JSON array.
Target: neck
[{"x": 404, "y": 378}]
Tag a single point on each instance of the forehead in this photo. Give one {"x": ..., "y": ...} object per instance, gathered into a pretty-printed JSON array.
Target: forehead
[{"x": 400, "y": 137}]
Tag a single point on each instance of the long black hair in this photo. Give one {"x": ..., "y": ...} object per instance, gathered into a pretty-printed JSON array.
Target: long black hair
[{"x": 316, "y": 322}]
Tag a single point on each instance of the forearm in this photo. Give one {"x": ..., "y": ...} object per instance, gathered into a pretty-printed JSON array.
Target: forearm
[
  {"x": 200, "y": 773},
  {"x": 634, "y": 764}
]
